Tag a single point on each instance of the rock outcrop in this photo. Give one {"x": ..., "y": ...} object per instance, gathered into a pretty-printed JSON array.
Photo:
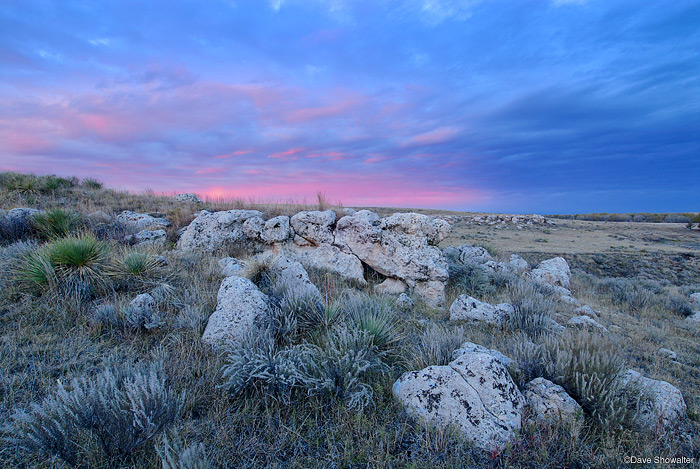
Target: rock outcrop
[
  {"x": 467, "y": 308},
  {"x": 188, "y": 198},
  {"x": 316, "y": 227},
  {"x": 211, "y": 231},
  {"x": 148, "y": 238},
  {"x": 240, "y": 306},
  {"x": 586, "y": 322},
  {"x": 331, "y": 258},
  {"x": 276, "y": 230},
  {"x": 474, "y": 393}
]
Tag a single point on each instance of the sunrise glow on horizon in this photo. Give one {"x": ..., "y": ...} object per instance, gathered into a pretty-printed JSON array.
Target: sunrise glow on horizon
[{"x": 542, "y": 106}]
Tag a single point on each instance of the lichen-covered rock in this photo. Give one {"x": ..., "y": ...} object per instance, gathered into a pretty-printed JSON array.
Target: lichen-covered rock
[
  {"x": 469, "y": 347},
  {"x": 143, "y": 302},
  {"x": 391, "y": 286},
  {"x": 465, "y": 307},
  {"x": 230, "y": 266},
  {"x": 188, "y": 198},
  {"x": 518, "y": 264},
  {"x": 253, "y": 227},
  {"x": 331, "y": 258},
  {"x": 586, "y": 310},
  {"x": 240, "y": 307},
  {"x": 404, "y": 301},
  {"x": 316, "y": 227},
  {"x": 586, "y": 322},
  {"x": 99, "y": 216},
  {"x": 276, "y": 230},
  {"x": 474, "y": 393},
  {"x": 695, "y": 300},
  {"x": 670, "y": 354},
  {"x": 148, "y": 238},
  {"x": 398, "y": 246},
  {"x": 661, "y": 404},
  {"x": 469, "y": 254},
  {"x": 211, "y": 231},
  {"x": 290, "y": 275},
  {"x": 431, "y": 292},
  {"x": 550, "y": 403},
  {"x": 141, "y": 221},
  {"x": 554, "y": 272},
  {"x": 22, "y": 215}
]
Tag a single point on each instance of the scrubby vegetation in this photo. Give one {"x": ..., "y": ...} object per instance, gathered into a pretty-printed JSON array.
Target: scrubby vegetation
[
  {"x": 89, "y": 380},
  {"x": 686, "y": 217}
]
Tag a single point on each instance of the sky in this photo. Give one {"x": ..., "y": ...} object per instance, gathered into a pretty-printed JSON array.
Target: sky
[{"x": 519, "y": 106}]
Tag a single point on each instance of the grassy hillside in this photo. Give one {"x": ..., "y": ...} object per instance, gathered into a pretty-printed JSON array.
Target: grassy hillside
[{"x": 86, "y": 379}]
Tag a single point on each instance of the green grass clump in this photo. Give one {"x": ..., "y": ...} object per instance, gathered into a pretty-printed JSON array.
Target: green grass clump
[
  {"x": 77, "y": 264},
  {"x": 377, "y": 318},
  {"x": 92, "y": 184},
  {"x": 56, "y": 223}
]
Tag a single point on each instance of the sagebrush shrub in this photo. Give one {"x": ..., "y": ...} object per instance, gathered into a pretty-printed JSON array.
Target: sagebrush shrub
[
  {"x": 174, "y": 454},
  {"x": 679, "y": 305},
  {"x": 435, "y": 346},
  {"x": 119, "y": 410},
  {"x": 588, "y": 367},
  {"x": 532, "y": 310},
  {"x": 470, "y": 279},
  {"x": 56, "y": 223}
]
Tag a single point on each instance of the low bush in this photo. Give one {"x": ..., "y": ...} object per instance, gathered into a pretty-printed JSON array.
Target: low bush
[
  {"x": 92, "y": 184},
  {"x": 174, "y": 454},
  {"x": 679, "y": 305},
  {"x": 435, "y": 345},
  {"x": 533, "y": 310},
  {"x": 116, "y": 412},
  {"x": 377, "y": 317},
  {"x": 133, "y": 269}
]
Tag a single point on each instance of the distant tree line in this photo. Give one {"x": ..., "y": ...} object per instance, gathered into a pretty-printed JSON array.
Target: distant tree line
[{"x": 688, "y": 218}]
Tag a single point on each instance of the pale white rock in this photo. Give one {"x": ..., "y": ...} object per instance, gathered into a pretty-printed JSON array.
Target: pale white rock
[
  {"x": 554, "y": 272},
  {"x": 473, "y": 254},
  {"x": 276, "y": 230},
  {"x": 569, "y": 299},
  {"x": 149, "y": 238},
  {"x": 240, "y": 307},
  {"x": 469, "y": 347},
  {"x": 211, "y": 231},
  {"x": 393, "y": 249},
  {"x": 670, "y": 354},
  {"x": 99, "y": 216},
  {"x": 349, "y": 211},
  {"x": 314, "y": 226},
  {"x": 432, "y": 292},
  {"x": 550, "y": 403},
  {"x": 694, "y": 318},
  {"x": 290, "y": 275},
  {"x": 404, "y": 301},
  {"x": 331, "y": 258},
  {"x": 230, "y": 266},
  {"x": 586, "y": 322},
  {"x": 302, "y": 242},
  {"x": 467, "y": 308},
  {"x": 518, "y": 264},
  {"x": 189, "y": 198},
  {"x": 434, "y": 229},
  {"x": 661, "y": 404},
  {"x": 141, "y": 221},
  {"x": 586, "y": 310},
  {"x": 143, "y": 302},
  {"x": 22, "y": 215},
  {"x": 391, "y": 286},
  {"x": 474, "y": 393},
  {"x": 695, "y": 300},
  {"x": 253, "y": 228}
]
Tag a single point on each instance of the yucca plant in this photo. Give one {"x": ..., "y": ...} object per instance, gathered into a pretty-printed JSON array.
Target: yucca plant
[
  {"x": 56, "y": 223},
  {"x": 134, "y": 266},
  {"x": 376, "y": 317},
  {"x": 77, "y": 264},
  {"x": 90, "y": 183}
]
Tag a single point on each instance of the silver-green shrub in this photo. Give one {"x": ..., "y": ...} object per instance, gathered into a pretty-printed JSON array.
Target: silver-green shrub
[{"x": 533, "y": 310}]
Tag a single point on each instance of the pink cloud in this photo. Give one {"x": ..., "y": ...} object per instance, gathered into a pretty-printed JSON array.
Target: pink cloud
[
  {"x": 234, "y": 154},
  {"x": 210, "y": 171},
  {"x": 293, "y": 154},
  {"x": 437, "y": 136}
]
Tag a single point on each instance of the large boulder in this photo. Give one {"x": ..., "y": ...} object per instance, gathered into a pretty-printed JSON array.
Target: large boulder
[
  {"x": 391, "y": 286},
  {"x": 473, "y": 254},
  {"x": 316, "y": 227},
  {"x": 240, "y": 307},
  {"x": 21, "y": 215},
  {"x": 230, "y": 266},
  {"x": 474, "y": 393},
  {"x": 586, "y": 322},
  {"x": 141, "y": 221},
  {"x": 695, "y": 301},
  {"x": 470, "y": 347},
  {"x": 555, "y": 272},
  {"x": 517, "y": 264},
  {"x": 276, "y": 230},
  {"x": 661, "y": 404},
  {"x": 431, "y": 292},
  {"x": 211, "y": 231},
  {"x": 253, "y": 227},
  {"x": 400, "y": 246},
  {"x": 331, "y": 258},
  {"x": 550, "y": 403},
  {"x": 465, "y": 307}
]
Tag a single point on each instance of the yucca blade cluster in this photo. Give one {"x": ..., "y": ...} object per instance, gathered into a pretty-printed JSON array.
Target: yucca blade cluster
[{"x": 56, "y": 223}]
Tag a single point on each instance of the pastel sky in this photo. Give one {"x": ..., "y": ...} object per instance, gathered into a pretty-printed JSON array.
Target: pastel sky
[{"x": 545, "y": 106}]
